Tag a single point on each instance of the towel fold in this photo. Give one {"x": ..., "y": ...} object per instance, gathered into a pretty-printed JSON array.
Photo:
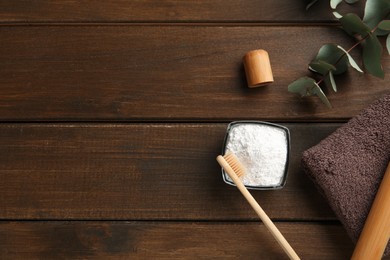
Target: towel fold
[{"x": 348, "y": 166}]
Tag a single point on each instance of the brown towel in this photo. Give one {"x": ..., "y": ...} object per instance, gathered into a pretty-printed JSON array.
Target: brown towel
[{"x": 348, "y": 166}]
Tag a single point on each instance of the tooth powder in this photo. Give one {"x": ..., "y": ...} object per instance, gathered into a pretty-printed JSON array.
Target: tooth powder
[{"x": 262, "y": 148}]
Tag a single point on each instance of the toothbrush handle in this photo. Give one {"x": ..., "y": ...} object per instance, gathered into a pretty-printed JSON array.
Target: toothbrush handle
[
  {"x": 376, "y": 231},
  {"x": 267, "y": 221},
  {"x": 260, "y": 212}
]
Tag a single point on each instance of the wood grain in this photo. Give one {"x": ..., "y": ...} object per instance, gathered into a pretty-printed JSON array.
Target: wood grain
[
  {"x": 140, "y": 172},
  {"x": 167, "y": 240},
  {"x": 112, "y": 114},
  {"x": 122, "y": 73},
  {"x": 165, "y": 11}
]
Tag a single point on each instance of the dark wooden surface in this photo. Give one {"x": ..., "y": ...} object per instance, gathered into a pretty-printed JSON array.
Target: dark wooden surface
[{"x": 112, "y": 114}]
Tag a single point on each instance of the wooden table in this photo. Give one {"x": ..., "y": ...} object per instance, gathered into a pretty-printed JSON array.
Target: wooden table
[{"x": 112, "y": 114}]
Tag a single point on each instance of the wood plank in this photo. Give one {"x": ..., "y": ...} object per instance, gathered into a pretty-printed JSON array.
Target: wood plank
[
  {"x": 140, "y": 172},
  {"x": 167, "y": 11},
  {"x": 167, "y": 73},
  {"x": 161, "y": 240}
]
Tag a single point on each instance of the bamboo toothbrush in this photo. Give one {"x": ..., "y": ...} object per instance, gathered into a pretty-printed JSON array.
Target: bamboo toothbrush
[{"x": 235, "y": 170}]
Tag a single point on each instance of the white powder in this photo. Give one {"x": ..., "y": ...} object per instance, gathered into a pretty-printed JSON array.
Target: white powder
[{"x": 262, "y": 150}]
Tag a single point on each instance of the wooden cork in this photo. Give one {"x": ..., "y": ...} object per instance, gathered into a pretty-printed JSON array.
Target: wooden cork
[{"x": 257, "y": 68}]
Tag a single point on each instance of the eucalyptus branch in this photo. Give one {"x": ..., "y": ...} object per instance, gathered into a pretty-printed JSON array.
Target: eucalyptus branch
[
  {"x": 349, "y": 50},
  {"x": 332, "y": 59}
]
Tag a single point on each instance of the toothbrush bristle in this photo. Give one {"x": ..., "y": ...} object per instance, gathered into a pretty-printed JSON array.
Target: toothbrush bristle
[{"x": 235, "y": 164}]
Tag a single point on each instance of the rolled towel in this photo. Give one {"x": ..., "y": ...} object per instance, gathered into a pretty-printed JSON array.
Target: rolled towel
[{"x": 348, "y": 166}]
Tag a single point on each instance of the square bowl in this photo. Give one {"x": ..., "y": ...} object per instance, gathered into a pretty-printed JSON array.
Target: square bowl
[{"x": 263, "y": 149}]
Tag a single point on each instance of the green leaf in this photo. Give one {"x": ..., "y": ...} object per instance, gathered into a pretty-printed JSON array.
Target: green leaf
[
  {"x": 311, "y": 4},
  {"x": 372, "y": 52},
  {"x": 388, "y": 43},
  {"x": 352, "y": 62},
  {"x": 329, "y": 80},
  {"x": 351, "y": 1},
  {"x": 318, "y": 91},
  {"x": 335, "y": 3},
  {"x": 329, "y": 83},
  {"x": 321, "y": 67},
  {"x": 302, "y": 86},
  {"x": 331, "y": 54},
  {"x": 306, "y": 86},
  {"x": 353, "y": 25},
  {"x": 374, "y": 12},
  {"x": 384, "y": 25},
  {"x": 337, "y": 15}
]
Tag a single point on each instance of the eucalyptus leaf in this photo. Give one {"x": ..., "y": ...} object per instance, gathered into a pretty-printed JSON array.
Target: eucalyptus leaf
[
  {"x": 337, "y": 15},
  {"x": 302, "y": 86},
  {"x": 372, "y": 52},
  {"x": 335, "y": 3},
  {"x": 311, "y": 4},
  {"x": 351, "y": 1},
  {"x": 321, "y": 67},
  {"x": 376, "y": 11},
  {"x": 384, "y": 25},
  {"x": 352, "y": 62},
  {"x": 328, "y": 83},
  {"x": 388, "y": 43},
  {"x": 331, "y": 54},
  {"x": 331, "y": 81},
  {"x": 353, "y": 25},
  {"x": 306, "y": 86},
  {"x": 318, "y": 92}
]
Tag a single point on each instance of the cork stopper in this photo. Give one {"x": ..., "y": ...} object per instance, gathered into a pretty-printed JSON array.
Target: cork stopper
[{"x": 257, "y": 68}]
